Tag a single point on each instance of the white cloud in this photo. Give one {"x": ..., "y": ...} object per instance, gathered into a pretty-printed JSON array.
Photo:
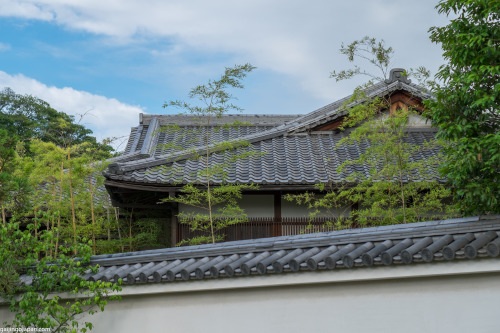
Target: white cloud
[
  {"x": 290, "y": 37},
  {"x": 25, "y": 9},
  {"x": 107, "y": 117},
  {"x": 4, "y": 47}
]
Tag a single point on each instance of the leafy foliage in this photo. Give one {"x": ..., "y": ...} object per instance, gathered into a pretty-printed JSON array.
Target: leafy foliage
[
  {"x": 9, "y": 183},
  {"x": 28, "y": 117},
  {"x": 214, "y": 206},
  {"x": 53, "y": 292},
  {"x": 466, "y": 108},
  {"x": 401, "y": 187},
  {"x": 67, "y": 189},
  {"x": 369, "y": 49},
  {"x": 51, "y": 198},
  {"x": 378, "y": 55}
]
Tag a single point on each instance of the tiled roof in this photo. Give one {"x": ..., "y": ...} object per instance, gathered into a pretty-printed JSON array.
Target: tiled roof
[
  {"x": 337, "y": 109},
  {"x": 293, "y": 154},
  {"x": 189, "y": 127},
  {"x": 192, "y": 120},
  {"x": 130, "y": 142},
  {"x": 296, "y": 159},
  {"x": 395, "y": 245},
  {"x": 195, "y": 136}
]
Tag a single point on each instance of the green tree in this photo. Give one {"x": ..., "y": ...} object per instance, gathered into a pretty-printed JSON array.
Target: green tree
[
  {"x": 467, "y": 104},
  {"x": 51, "y": 291},
  {"x": 53, "y": 160},
  {"x": 214, "y": 200},
  {"x": 13, "y": 186},
  {"x": 371, "y": 50},
  {"x": 399, "y": 187},
  {"x": 29, "y": 117},
  {"x": 68, "y": 186},
  {"x": 378, "y": 55},
  {"x": 66, "y": 196},
  {"x": 7, "y": 154},
  {"x": 52, "y": 176}
]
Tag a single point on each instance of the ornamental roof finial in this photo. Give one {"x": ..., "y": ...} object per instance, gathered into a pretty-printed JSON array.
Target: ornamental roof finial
[{"x": 397, "y": 74}]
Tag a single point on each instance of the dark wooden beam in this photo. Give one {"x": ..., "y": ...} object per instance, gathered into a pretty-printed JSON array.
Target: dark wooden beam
[
  {"x": 140, "y": 187},
  {"x": 174, "y": 225},
  {"x": 138, "y": 205},
  {"x": 277, "y": 214},
  {"x": 123, "y": 190},
  {"x": 330, "y": 126},
  {"x": 403, "y": 99}
]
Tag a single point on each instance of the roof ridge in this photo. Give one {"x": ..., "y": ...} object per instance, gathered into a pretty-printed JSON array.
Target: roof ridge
[
  {"x": 301, "y": 123},
  {"x": 252, "y": 119},
  {"x": 223, "y": 115},
  {"x": 376, "y": 90}
]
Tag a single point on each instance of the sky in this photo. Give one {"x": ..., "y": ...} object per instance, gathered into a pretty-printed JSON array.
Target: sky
[{"x": 110, "y": 60}]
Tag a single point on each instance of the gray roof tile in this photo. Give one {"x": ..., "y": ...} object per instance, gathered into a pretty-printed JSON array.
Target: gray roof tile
[
  {"x": 422, "y": 243},
  {"x": 284, "y": 160},
  {"x": 450, "y": 251},
  {"x": 301, "y": 158},
  {"x": 493, "y": 248}
]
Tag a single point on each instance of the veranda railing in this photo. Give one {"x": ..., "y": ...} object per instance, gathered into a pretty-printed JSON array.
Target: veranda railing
[{"x": 263, "y": 227}]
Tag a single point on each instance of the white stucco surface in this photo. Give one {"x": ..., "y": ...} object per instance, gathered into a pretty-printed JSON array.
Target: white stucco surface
[
  {"x": 291, "y": 209},
  {"x": 258, "y": 205},
  {"x": 453, "y": 297},
  {"x": 254, "y": 206},
  {"x": 459, "y": 303},
  {"x": 262, "y": 205},
  {"x": 414, "y": 120}
]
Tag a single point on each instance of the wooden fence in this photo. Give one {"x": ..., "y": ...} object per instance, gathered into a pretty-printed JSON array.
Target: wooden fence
[{"x": 263, "y": 227}]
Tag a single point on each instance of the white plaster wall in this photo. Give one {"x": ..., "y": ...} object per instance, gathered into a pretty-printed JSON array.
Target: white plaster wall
[
  {"x": 258, "y": 205},
  {"x": 414, "y": 120},
  {"x": 378, "y": 299},
  {"x": 262, "y": 205},
  {"x": 456, "y": 305},
  {"x": 254, "y": 205},
  {"x": 291, "y": 209}
]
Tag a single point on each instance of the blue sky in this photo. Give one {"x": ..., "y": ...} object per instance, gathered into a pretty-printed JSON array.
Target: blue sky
[{"x": 113, "y": 59}]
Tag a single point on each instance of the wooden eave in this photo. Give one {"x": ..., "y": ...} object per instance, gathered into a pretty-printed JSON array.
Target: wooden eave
[{"x": 400, "y": 99}]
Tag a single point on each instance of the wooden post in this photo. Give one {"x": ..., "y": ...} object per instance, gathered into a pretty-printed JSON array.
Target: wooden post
[
  {"x": 174, "y": 224},
  {"x": 277, "y": 215}
]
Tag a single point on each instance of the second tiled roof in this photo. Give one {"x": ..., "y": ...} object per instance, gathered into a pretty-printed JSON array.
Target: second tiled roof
[{"x": 296, "y": 159}]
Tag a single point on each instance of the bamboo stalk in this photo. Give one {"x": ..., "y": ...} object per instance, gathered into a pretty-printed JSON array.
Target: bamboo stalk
[
  {"x": 130, "y": 229},
  {"x": 36, "y": 232},
  {"x": 52, "y": 219},
  {"x": 118, "y": 226},
  {"x": 73, "y": 214},
  {"x": 209, "y": 194},
  {"x": 109, "y": 221},
  {"x": 92, "y": 213},
  {"x": 60, "y": 200}
]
